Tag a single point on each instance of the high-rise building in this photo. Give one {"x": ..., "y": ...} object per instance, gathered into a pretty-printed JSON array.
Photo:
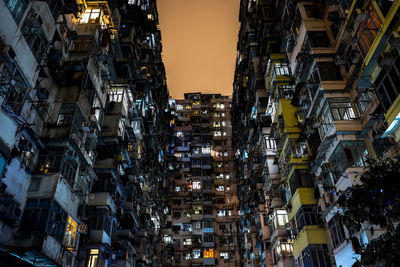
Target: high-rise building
[
  {"x": 314, "y": 94},
  {"x": 83, "y": 131},
  {"x": 202, "y": 222}
]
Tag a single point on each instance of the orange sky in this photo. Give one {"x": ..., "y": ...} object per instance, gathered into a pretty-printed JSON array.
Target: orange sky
[{"x": 199, "y": 44}]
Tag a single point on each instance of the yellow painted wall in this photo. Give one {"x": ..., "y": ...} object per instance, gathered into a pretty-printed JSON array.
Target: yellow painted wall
[
  {"x": 302, "y": 196},
  {"x": 310, "y": 234}
]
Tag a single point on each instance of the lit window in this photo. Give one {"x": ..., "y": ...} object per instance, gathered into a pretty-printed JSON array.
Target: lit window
[
  {"x": 229, "y": 213},
  {"x": 90, "y": 16},
  {"x": 229, "y": 200},
  {"x": 197, "y": 209},
  {"x": 220, "y": 188},
  {"x": 71, "y": 236},
  {"x": 281, "y": 218},
  {"x": 220, "y": 176},
  {"x": 222, "y": 106},
  {"x": 177, "y": 189},
  {"x": 196, "y": 103},
  {"x": 205, "y": 150},
  {"x": 219, "y": 165},
  {"x": 188, "y": 107},
  {"x": 228, "y": 188},
  {"x": 217, "y": 133},
  {"x": 223, "y": 123},
  {"x": 227, "y": 176},
  {"x": 196, "y": 112},
  {"x": 93, "y": 257},
  {"x": 179, "y": 134},
  {"x": 209, "y": 253},
  {"x": 179, "y": 107},
  {"x": 223, "y": 114},
  {"x": 224, "y": 255},
  {"x": 217, "y": 124},
  {"x": 224, "y": 133},
  {"x": 196, "y": 253},
  {"x": 221, "y": 213},
  {"x": 196, "y": 185},
  {"x": 225, "y": 154},
  {"x": 188, "y": 256},
  {"x": 167, "y": 239}
]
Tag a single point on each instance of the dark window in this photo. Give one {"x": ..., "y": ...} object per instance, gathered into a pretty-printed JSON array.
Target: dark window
[
  {"x": 34, "y": 35},
  {"x": 208, "y": 238},
  {"x": 386, "y": 85},
  {"x": 319, "y": 39},
  {"x": 17, "y": 8},
  {"x": 315, "y": 256},
  {"x": 307, "y": 215},
  {"x": 328, "y": 71},
  {"x": 300, "y": 179},
  {"x": 101, "y": 220},
  {"x": 336, "y": 231},
  {"x": 314, "y": 11}
]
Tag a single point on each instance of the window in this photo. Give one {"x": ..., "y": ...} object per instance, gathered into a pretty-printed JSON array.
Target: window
[
  {"x": 363, "y": 100},
  {"x": 300, "y": 179},
  {"x": 66, "y": 114},
  {"x": 368, "y": 30},
  {"x": 208, "y": 238},
  {"x": 341, "y": 108},
  {"x": 349, "y": 154},
  {"x": 208, "y": 224},
  {"x": 167, "y": 239},
  {"x": 336, "y": 231},
  {"x": 315, "y": 256},
  {"x": 307, "y": 215},
  {"x": 17, "y": 8},
  {"x": 221, "y": 213},
  {"x": 177, "y": 189},
  {"x": 90, "y": 16},
  {"x": 179, "y": 107},
  {"x": 196, "y": 185},
  {"x": 217, "y": 133},
  {"x": 217, "y": 124},
  {"x": 187, "y": 227},
  {"x": 71, "y": 235},
  {"x": 101, "y": 220},
  {"x": 208, "y": 253},
  {"x": 196, "y": 253},
  {"x": 280, "y": 218},
  {"x": 93, "y": 258},
  {"x": 326, "y": 121},
  {"x": 220, "y": 188},
  {"x": 387, "y": 85},
  {"x": 197, "y": 209},
  {"x": 34, "y": 36},
  {"x": 284, "y": 248},
  {"x": 35, "y": 215},
  {"x": 188, "y": 256},
  {"x": 319, "y": 39},
  {"x": 227, "y": 176},
  {"x": 177, "y": 215},
  {"x": 328, "y": 71},
  {"x": 224, "y": 255},
  {"x": 281, "y": 69},
  {"x": 197, "y": 224}
]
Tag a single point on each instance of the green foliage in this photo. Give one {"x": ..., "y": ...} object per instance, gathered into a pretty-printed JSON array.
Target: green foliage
[{"x": 376, "y": 201}]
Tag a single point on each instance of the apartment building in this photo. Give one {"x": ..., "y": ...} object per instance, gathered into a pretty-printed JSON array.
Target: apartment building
[
  {"x": 82, "y": 143},
  {"x": 202, "y": 222},
  {"x": 314, "y": 94}
]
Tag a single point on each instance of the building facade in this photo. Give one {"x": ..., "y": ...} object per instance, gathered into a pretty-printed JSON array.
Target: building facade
[
  {"x": 314, "y": 94},
  {"x": 202, "y": 223},
  {"x": 83, "y": 131}
]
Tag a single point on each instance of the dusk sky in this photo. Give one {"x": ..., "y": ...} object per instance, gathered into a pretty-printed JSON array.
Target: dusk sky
[{"x": 199, "y": 40}]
